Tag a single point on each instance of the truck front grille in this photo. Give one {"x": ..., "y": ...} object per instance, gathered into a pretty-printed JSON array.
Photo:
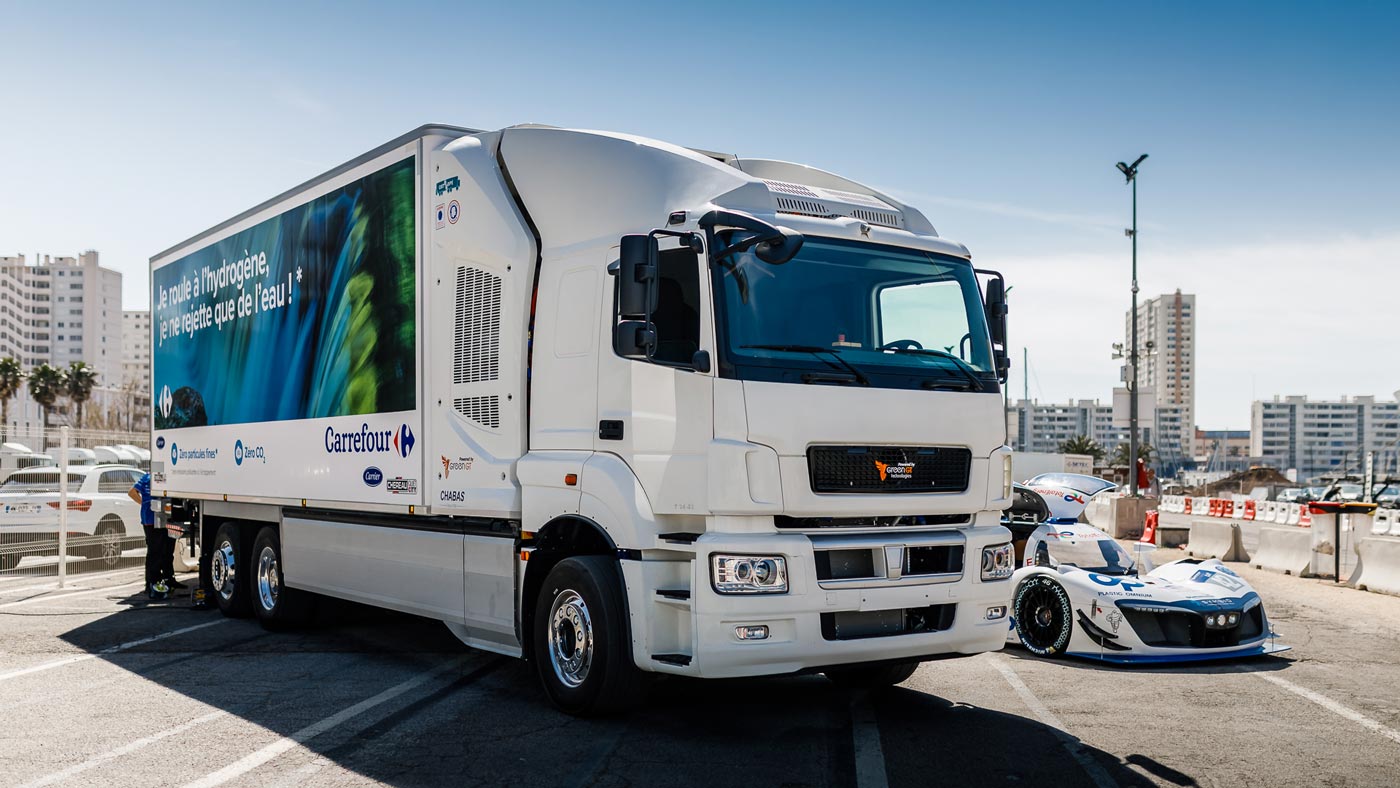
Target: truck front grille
[
  {"x": 888, "y": 469},
  {"x": 857, "y": 624},
  {"x": 902, "y": 521}
]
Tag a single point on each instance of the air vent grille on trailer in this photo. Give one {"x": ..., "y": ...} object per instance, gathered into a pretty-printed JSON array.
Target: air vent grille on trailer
[
  {"x": 882, "y": 218},
  {"x": 790, "y": 188},
  {"x": 485, "y": 411},
  {"x": 821, "y": 203},
  {"x": 477, "y": 339}
]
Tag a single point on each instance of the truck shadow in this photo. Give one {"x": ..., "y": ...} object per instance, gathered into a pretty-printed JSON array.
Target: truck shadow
[{"x": 488, "y": 722}]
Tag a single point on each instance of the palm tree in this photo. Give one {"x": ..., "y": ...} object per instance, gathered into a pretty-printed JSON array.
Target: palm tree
[
  {"x": 45, "y": 386},
  {"x": 1083, "y": 444},
  {"x": 11, "y": 378},
  {"x": 1120, "y": 454},
  {"x": 78, "y": 382}
]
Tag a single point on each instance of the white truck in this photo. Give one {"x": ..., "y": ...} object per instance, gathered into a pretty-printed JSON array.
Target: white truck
[{"x": 602, "y": 402}]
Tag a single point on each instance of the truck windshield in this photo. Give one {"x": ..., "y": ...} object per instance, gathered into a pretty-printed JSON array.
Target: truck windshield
[{"x": 850, "y": 313}]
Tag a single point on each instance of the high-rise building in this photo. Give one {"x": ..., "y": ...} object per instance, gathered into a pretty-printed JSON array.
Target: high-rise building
[
  {"x": 1033, "y": 427},
  {"x": 1166, "y": 367},
  {"x": 1325, "y": 437},
  {"x": 136, "y": 348},
  {"x": 57, "y": 310}
]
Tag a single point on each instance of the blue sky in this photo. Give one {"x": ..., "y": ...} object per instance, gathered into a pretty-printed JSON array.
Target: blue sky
[{"x": 1271, "y": 191}]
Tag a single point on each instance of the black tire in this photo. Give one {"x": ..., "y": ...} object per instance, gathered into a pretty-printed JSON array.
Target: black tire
[
  {"x": 276, "y": 606},
  {"x": 586, "y": 667},
  {"x": 872, "y": 677},
  {"x": 111, "y": 532},
  {"x": 229, "y": 572},
  {"x": 1044, "y": 618}
]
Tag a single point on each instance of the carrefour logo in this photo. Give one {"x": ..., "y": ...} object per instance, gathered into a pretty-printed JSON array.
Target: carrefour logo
[
  {"x": 365, "y": 440},
  {"x": 241, "y": 452}
]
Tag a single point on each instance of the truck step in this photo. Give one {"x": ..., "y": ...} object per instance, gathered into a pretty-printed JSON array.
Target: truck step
[
  {"x": 672, "y": 659},
  {"x": 680, "y": 594},
  {"x": 681, "y": 537}
]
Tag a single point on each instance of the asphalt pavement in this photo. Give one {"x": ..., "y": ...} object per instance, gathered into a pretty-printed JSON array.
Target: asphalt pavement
[{"x": 99, "y": 688}]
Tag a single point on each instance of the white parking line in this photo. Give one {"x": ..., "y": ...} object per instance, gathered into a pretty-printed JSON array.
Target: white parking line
[
  {"x": 125, "y": 749},
  {"x": 36, "y": 600},
  {"x": 54, "y": 584},
  {"x": 58, "y": 663},
  {"x": 261, "y": 756},
  {"x": 1073, "y": 745},
  {"x": 1332, "y": 706},
  {"x": 865, "y": 735}
]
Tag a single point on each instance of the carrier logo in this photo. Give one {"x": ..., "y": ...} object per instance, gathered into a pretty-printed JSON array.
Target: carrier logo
[
  {"x": 241, "y": 452},
  {"x": 460, "y": 464},
  {"x": 448, "y": 185},
  {"x": 401, "y": 486},
  {"x": 894, "y": 470},
  {"x": 365, "y": 440},
  {"x": 373, "y": 476},
  {"x": 160, "y": 442},
  {"x": 166, "y": 401}
]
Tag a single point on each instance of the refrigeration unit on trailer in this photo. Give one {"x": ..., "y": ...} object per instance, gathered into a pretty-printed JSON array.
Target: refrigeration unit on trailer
[{"x": 606, "y": 403}]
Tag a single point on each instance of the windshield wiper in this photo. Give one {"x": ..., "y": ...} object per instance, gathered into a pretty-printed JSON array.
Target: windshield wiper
[
  {"x": 958, "y": 364},
  {"x": 815, "y": 349}
]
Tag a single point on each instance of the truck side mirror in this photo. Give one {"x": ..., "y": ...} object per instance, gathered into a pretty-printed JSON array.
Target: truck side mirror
[
  {"x": 634, "y": 339},
  {"x": 636, "y": 280},
  {"x": 996, "y": 310}
]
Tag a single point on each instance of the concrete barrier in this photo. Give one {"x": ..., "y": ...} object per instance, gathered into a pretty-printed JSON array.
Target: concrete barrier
[
  {"x": 1379, "y": 568},
  {"x": 1213, "y": 539},
  {"x": 1294, "y": 512},
  {"x": 1287, "y": 550}
]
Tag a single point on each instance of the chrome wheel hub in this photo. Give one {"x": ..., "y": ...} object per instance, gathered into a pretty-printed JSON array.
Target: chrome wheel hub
[
  {"x": 570, "y": 638},
  {"x": 268, "y": 584},
  {"x": 223, "y": 571}
]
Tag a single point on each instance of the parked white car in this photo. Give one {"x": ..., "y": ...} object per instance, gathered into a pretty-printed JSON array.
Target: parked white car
[{"x": 98, "y": 506}]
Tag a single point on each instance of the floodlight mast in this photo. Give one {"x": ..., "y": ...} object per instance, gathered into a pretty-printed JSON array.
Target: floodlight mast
[{"x": 1130, "y": 173}]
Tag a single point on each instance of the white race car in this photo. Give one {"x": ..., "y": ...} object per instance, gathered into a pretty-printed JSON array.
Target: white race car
[
  {"x": 102, "y": 519},
  {"x": 1077, "y": 592}
]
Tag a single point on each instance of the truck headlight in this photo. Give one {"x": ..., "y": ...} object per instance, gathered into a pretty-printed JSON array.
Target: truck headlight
[
  {"x": 997, "y": 562},
  {"x": 749, "y": 574}
]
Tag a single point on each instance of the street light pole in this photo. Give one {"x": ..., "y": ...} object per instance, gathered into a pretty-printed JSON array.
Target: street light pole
[{"x": 1130, "y": 172}]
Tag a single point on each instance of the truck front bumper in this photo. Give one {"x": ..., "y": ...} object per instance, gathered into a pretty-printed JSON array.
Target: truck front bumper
[{"x": 818, "y": 624}]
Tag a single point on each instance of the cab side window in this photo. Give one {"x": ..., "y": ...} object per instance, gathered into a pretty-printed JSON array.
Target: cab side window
[{"x": 677, "y": 315}]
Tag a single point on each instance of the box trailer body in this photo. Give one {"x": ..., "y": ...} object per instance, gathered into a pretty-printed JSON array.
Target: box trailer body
[{"x": 415, "y": 371}]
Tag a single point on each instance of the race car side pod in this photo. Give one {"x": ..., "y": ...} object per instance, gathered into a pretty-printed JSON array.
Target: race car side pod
[{"x": 1104, "y": 639}]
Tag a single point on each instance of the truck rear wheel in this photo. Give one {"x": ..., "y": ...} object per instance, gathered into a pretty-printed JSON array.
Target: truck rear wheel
[
  {"x": 872, "y": 676},
  {"x": 275, "y": 605},
  {"x": 582, "y": 646},
  {"x": 228, "y": 573}
]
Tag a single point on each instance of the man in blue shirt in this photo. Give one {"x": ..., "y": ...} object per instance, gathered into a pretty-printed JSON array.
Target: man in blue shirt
[{"x": 160, "y": 548}]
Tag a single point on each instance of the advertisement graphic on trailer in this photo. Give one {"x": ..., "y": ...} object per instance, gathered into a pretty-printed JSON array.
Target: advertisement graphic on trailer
[{"x": 307, "y": 315}]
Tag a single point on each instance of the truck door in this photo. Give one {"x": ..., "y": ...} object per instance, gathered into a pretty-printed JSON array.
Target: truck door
[{"x": 657, "y": 415}]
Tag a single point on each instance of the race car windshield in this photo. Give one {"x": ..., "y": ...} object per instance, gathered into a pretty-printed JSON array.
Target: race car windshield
[
  {"x": 1088, "y": 485},
  {"x": 1104, "y": 556}
]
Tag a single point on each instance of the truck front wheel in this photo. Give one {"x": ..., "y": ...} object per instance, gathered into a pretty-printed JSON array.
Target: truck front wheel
[
  {"x": 228, "y": 573},
  {"x": 582, "y": 649},
  {"x": 872, "y": 676},
  {"x": 275, "y": 605}
]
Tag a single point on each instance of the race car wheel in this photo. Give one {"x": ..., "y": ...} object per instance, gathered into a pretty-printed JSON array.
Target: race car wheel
[
  {"x": 872, "y": 676},
  {"x": 276, "y": 606},
  {"x": 228, "y": 572},
  {"x": 1043, "y": 616}
]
